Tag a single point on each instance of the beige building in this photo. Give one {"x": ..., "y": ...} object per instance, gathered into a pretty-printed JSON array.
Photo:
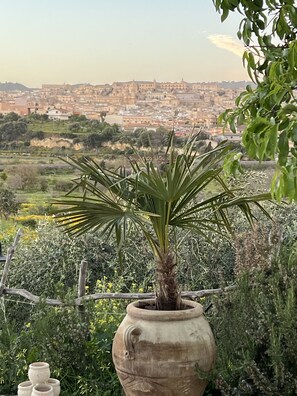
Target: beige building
[
  {"x": 136, "y": 121},
  {"x": 8, "y": 107}
]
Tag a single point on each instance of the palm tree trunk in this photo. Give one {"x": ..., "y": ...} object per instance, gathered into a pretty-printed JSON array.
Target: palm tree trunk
[{"x": 168, "y": 295}]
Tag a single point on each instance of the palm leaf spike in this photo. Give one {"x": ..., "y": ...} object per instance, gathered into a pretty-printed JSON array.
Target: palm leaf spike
[{"x": 156, "y": 202}]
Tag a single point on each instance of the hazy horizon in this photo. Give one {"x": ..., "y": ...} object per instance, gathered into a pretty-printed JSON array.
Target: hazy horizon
[
  {"x": 122, "y": 81},
  {"x": 94, "y": 42}
]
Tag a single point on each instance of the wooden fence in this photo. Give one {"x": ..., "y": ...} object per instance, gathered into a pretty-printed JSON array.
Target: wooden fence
[{"x": 81, "y": 296}]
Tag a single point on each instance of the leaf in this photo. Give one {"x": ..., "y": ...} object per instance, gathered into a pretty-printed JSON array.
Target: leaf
[
  {"x": 272, "y": 142},
  {"x": 225, "y": 14},
  {"x": 283, "y": 147},
  {"x": 269, "y": 111},
  {"x": 289, "y": 109},
  {"x": 151, "y": 200},
  {"x": 251, "y": 61},
  {"x": 261, "y": 24},
  {"x": 292, "y": 14},
  {"x": 232, "y": 124},
  {"x": 282, "y": 26},
  {"x": 292, "y": 56},
  {"x": 277, "y": 185},
  {"x": 294, "y": 132}
]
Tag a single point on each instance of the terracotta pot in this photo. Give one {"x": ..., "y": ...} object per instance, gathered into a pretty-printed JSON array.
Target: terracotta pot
[
  {"x": 39, "y": 372},
  {"x": 43, "y": 390},
  {"x": 157, "y": 352},
  {"x": 25, "y": 388}
]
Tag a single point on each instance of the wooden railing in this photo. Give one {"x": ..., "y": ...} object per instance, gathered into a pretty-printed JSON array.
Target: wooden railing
[{"x": 82, "y": 297}]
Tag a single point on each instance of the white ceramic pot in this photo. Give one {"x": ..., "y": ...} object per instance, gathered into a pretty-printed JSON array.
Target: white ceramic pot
[
  {"x": 25, "y": 388},
  {"x": 43, "y": 390},
  {"x": 55, "y": 383},
  {"x": 39, "y": 372}
]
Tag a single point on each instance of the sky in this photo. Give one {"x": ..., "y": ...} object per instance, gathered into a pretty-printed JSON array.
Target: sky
[{"x": 99, "y": 41}]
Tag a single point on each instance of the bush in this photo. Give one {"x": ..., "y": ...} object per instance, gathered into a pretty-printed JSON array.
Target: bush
[
  {"x": 63, "y": 185},
  {"x": 36, "y": 209},
  {"x": 3, "y": 176},
  {"x": 22, "y": 176},
  {"x": 53, "y": 258},
  {"x": 255, "y": 325},
  {"x": 76, "y": 140},
  {"x": 77, "y": 348},
  {"x": 8, "y": 203},
  {"x": 29, "y": 222}
]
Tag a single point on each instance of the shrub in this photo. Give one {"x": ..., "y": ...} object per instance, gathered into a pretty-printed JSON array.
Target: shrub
[
  {"x": 76, "y": 140},
  {"x": 35, "y": 209},
  {"x": 8, "y": 203},
  {"x": 255, "y": 325},
  {"x": 43, "y": 184},
  {"x": 63, "y": 185},
  {"x": 52, "y": 258},
  {"x": 3, "y": 176},
  {"x": 29, "y": 222},
  {"x": 77, "y": 348},
  {"x": 22, "y": 176}
]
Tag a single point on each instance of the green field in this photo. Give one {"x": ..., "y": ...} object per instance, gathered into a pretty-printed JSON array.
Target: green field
[{"x": 52, "y": 127}]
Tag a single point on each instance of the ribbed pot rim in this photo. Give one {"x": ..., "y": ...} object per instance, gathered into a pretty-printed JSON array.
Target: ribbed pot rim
[
  {"x": 53, "y": 381},
  {"x": 43, "y": 388},
  {"x": 38, "y": 365},
  {"x": 25, "y": 384},
  {"x": 193, "y": 310}
]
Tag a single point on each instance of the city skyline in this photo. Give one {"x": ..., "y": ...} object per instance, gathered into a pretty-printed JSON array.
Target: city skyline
[{"x": 94, "y": 42}]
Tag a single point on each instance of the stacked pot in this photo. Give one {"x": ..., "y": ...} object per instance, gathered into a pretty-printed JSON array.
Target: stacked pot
[{"x": 40, "y": 383}]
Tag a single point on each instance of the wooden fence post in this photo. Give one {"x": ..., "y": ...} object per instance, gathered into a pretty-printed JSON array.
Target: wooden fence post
[
  {"x": 10, "y": 253},
  {"x": 82, "y": 279}
]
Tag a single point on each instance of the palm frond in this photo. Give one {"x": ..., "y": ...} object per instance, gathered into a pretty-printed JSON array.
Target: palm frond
[{"x": 155, "y": 200}]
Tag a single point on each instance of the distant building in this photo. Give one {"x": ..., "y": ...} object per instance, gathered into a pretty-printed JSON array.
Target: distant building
[
  {"x": 8, "y": 107},
  {"x": 114, "y": 119},
  {"x": 136, "y": 121},
  {"x": 55, "y": 114}
]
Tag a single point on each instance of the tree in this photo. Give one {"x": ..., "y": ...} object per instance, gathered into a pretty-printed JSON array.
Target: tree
[
  {"x": 102, "y": 116},
  {"x": 157, "y": 203},
  {"x": 74, "y": 127},
  {"x": 269, "y": 112},
  {"x": 151, "y": 138},
  {"x": 13, "y": 130},
  {"x": 144, "y": 139},
  {"x": 12, "y": 116},
  {"x": 8, "y": 203},
  {"x": 78, "y": 118},
  {"x": 38, "y": 117},
  {"x": 161, "y": 136},
  {"x": 93, "y": 140},
  {"x": 107, "y": 133},
  {"x": 22, "y": 176}
]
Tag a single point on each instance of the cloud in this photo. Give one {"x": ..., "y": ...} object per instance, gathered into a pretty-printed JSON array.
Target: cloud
[{"x": 228, "y": 43}]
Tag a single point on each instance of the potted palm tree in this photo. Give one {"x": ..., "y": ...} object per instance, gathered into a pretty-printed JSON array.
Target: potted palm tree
[{"x": 160, "y": 342}]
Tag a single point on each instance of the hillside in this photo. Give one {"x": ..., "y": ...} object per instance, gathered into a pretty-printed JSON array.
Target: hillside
[
  {"x": 10, "y": 86},
  {"x": 234, "y": 84}
]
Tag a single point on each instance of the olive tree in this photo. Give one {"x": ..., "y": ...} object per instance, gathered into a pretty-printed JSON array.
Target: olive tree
[
  {"x": 269, "y": 110},
  {"x": 8, "y": 203}
]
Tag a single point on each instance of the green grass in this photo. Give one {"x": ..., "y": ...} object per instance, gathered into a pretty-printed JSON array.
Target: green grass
[
  {"x": 55, "y": 127},
  {"x": 36, "y": 197},
  {"x": 13, "y": 158},
  {"x": 52, "y": 127}
]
